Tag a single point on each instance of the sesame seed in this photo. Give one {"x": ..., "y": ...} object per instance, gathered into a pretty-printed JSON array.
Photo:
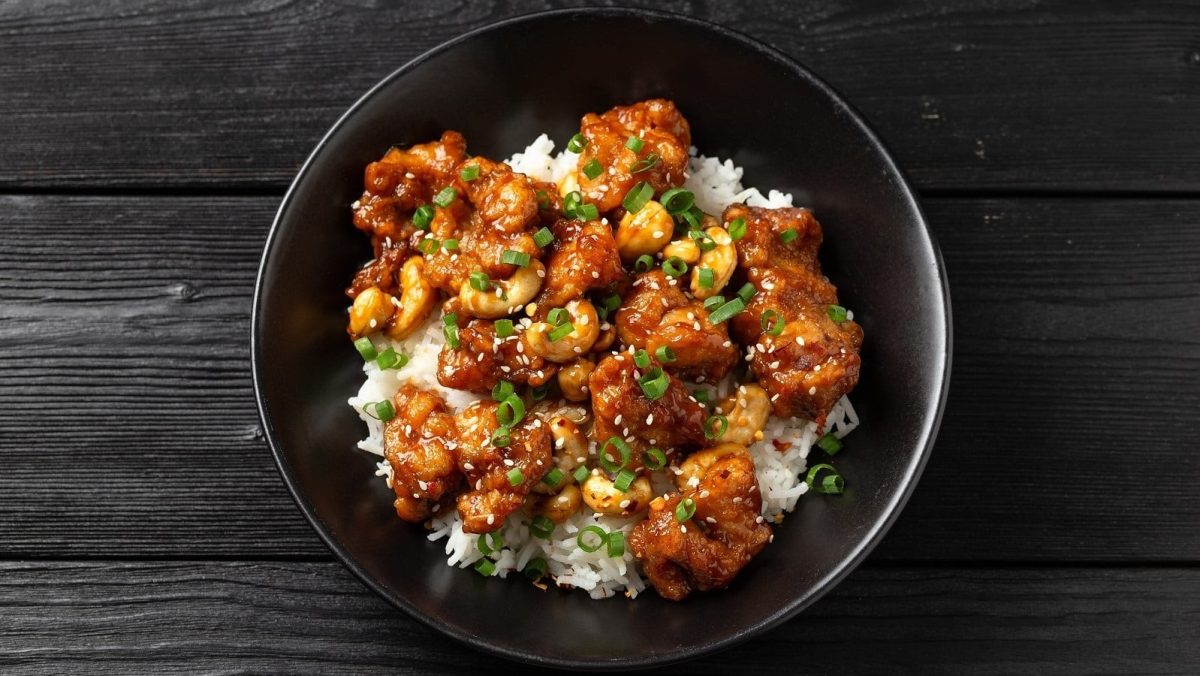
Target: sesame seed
[
  {"x": 682, "y": 529},
  {"x": 595, "y": 275},
  {"x": 812, "y": 390},
  {"x": 491, "y": 519},
  {"x": 468, "y": 466},
  {"x": 710, "y": 519},
  {"x": 650, "y": 419},
  {"x": 623, "y": 504},
  {"x": 704, "y": 493},
  {"x": 617, "y": 420},
  {"x": 817, "y": 368},
  {"x": 374, "y": 323}
]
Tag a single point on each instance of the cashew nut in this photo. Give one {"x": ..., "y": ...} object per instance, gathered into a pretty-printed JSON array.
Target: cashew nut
[
  {"x": 608, "y": 333},
  {"x": 561, "y": 506},
  {"x": 645, "y": 232},
  {"x": 568, "y": 184},
  {"x": 570, "y": 449},
  {"x": 693, "y": 468},
  {"x": 721, "y": 259},
  {"x": 573, "y": 379},
  {"x": 372, "y": 309},
  {"x": 747, "y": 412},
  {"x": 417, "y": 297},
  {"x": 602, "y": 496},
  {"x": 684, "y": 248},
  {"x": 585, "y": 330},
  {"x": 505, "y": 295}
]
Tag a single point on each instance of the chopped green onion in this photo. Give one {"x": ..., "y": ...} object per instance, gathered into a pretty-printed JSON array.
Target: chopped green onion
[
  {"x": 496, "y": 544},
  {"x": 713, "y": 302},
  {"x": 543, "y": 199},
  {"x": 677, "y": 200},
  {"x": 469, "y": 173},
  {"x": 366, "y": 349},
  {"x": 422, "y": 217},
  {"x": 616, "y": 543},
  {"x": 737, "y": 229},
  {"x": 830, "y": 444},
  {"x": 624, "y": 480},
  {"x": 701, "y": 396},
  {"x": 593, "y": 530},
  {"x": 747, "y": 292},
  {"x": 503, "y": 390},
  {"x": 644, "y": 263},
  {"x": 391, "y": 359},
  {"x": 587, "y": 212},
  {"x": 716, "y": 426},
  {"x": 622, "y": 448},
  {"x": 541, "y": 527},
  {"x": 554, "y": 477},
  {"x": 450, "y": 318},
  {"x": 515, "y": 476},
  {"x": 510, "y": 411},
  {"x": 674, "y": 266},
  {"x": 611, "y": 302},
  {"x": 558, "y": 316},
  {"x": 505, "y": 328},
  {"x": 634, "y": 143},
  {"x": 637, "y": 197},
  {"x": 831, "y": 484},
  {"x": 771, "y": 322},
  {"x": 561, "y": 332},
  {"x": 577, "y": 143},
  {"x": 644, "y": 164},
  {"x": 539, "y": 393},
  {"x": 536, "y": 569},
  {"x": 480, "y": 281},
  {"x": 383, "y": 410},
  {"x": 485, "y": 567},
  {"x": 837, "y": 313},
  {"x": 726, "y": 311},
  {"x": 450, "y": 332},
  {"x": 428, "y": 245},
  {"x": 693, "y": 217},
  {"x": 450, "y": 244},
  {"x": 706, "y": 277},
  {"x": 642, "y": 359},
  {"x": 703, "y": 240},
  {"x": 654, "y": 459},
  {"x": 517, "y": 258},
  {"x": 446, "y": 197},
  {"x": 593, "y": 169},
  {"x": 543, "y": 237},
  {"x": 654, "y": 384},
  {"x": 685, "y": 510},
  {"x": 788, "y": 236},
  {"x": 500, "y": 438},
  {"x": 665, "y": 354},
  {"x": 581, "y": 474}
]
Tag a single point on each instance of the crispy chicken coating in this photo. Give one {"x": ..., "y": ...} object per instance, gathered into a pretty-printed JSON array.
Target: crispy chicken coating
[
  {"x": 657, "y": 313},
  {"x": 707, "y": 551},
  {"x": 583, "y": 258},
  {"x": 483, "y": 359},
  {"x": 814, "y": 361},
  {"x": 498, "y": 477},
  {"x": 419, "y": 444},
  {"x": 661, "y": 160}
]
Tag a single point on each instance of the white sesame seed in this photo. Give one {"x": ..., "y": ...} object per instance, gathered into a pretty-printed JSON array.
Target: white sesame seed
[
  {"x": 491, "y": 519},
  {"x": 650, "y": 419},
  {"x": 468, "y": 466},
  {"x": 812, "y": 390}
]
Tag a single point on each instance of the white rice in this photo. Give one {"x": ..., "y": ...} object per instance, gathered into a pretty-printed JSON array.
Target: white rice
[{"x": 715, "y": 184}]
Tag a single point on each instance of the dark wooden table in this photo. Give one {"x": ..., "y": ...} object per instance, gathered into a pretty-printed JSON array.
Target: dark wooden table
[{"x": 144, "y": 149}]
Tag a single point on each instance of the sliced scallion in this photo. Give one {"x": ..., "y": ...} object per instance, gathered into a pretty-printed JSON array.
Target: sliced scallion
[
  {"x": 685, "y": 510},
  {"x": 726, "y": 311},
  {"x": 654, "y": 459},
  {"x": 713, "y": 302},
  {"x": 558, "y": 316},
  {"x": 665, "y": 354},
  {"x": 505, "y": 328},
  {"x": 644, "y": 164},
  {"x": 715, "y": 427},
  {"x": 674, "y": 266},
  {"x": 469, "y": 173},
  {"x": 593, "y": 169},
  {"x": 543, "y": 237},
  {"x": 515, "y": 476},
  {"x": 644, "y": 263},
  {"x": 635, "y": 144},
  {"x": 580, "y": 475},
  {"x": 832, "y": 483},
  {"x": 637, "y": 197},
  {"x": 830, "y": 444},
  {"x": 616, "y": 544},
  {"x": 428, "y": 245},
  {"x": 485, "y": 567},
  {"x": 381, "y": 410},
  {"x": 366, "y": 349},
  {"x": 642, "y": 359},
  {"x": 677, "y": 200},
  {"x": 450, "y": 244},
  {"x": 560, "y": 332},
  {"x": 600, "y": 534},
  {"x": 446, "y": 197},
  {"x": 837, "y": 313},
  {"x": 391, "y": 359},
  {"x": 503, "y": 390},
  {"x": 480, "y": 281},
  {"x": 706, "y": 277},
  {"x": 501, "y": 438},
  {"x": 510, "y": 411},
  {"x": 737, "y": 229},
  {"x": 771, "y": 322},
  {"x": 422, "y": 217},
  {"x": 517, "y": 258},
  {"x": 536, "y": 569},
  {"x": 554, "y": 477},
  {"x": 654, "y": 384},
  {"x": 577, "y": 143},
  {"x": 624, "y": 480},
  {"x": 541, "y": 527},
  {"x": 623, "y": 451},
  {"x": 747, "y": 292},
  {"x": 788, "y": 236}
]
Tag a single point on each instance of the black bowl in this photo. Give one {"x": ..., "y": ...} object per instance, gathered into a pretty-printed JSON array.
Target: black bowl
[{"x": 502, "y": 86}]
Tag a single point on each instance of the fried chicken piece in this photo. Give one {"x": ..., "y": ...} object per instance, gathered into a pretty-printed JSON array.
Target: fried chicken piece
[
  {"x": 483, "y": 359},
  {"x": 492, "y": 494},
  {"x": 401, "y": 181},
  {"x": 661, "y": 161},
  {"x": 657, "y": 313},
  {"x": 673, "y": 422},
  {"x": 382, "y": 272},
  {"x": 583, "y": 258},
  {"x": 707, "y": 551},
  {"x": 814, "y": 361},
  {"x": 419, "y": 444}
]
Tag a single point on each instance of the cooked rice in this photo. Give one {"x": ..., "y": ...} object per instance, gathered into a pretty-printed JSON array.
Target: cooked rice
[{"x": 716, "y": 184}]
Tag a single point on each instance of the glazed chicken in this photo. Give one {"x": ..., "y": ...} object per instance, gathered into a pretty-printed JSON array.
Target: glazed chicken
[
  {"x": 610, "y": 290},
  {"x": 814, "y": 361}
]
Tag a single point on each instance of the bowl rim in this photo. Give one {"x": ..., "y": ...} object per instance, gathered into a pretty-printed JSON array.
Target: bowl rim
[{"x": 928, "y": 433}]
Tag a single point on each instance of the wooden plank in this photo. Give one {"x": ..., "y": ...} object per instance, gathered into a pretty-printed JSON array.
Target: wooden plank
[
  {"x": 1023, "y": 96},
  {"x": 127, "y": 423},
  {"x": 182, "y": 617}
]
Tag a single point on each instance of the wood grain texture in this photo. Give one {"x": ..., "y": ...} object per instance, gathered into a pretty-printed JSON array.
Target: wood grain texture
[
  {"x": 975, "y": 95},
  {"x": 182, "y": 617},
  {"x": 128, "y": 427}
]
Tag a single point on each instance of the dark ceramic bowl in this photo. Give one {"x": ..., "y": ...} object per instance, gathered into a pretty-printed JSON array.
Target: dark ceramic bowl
[{"x": 501, "y": 86}]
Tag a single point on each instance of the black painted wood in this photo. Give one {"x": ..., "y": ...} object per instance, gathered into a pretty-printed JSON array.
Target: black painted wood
[
  {"x": 184, "y": 617},
  {"x": 972, "y": 95},
  {"x": 1069, "y": 434}
]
